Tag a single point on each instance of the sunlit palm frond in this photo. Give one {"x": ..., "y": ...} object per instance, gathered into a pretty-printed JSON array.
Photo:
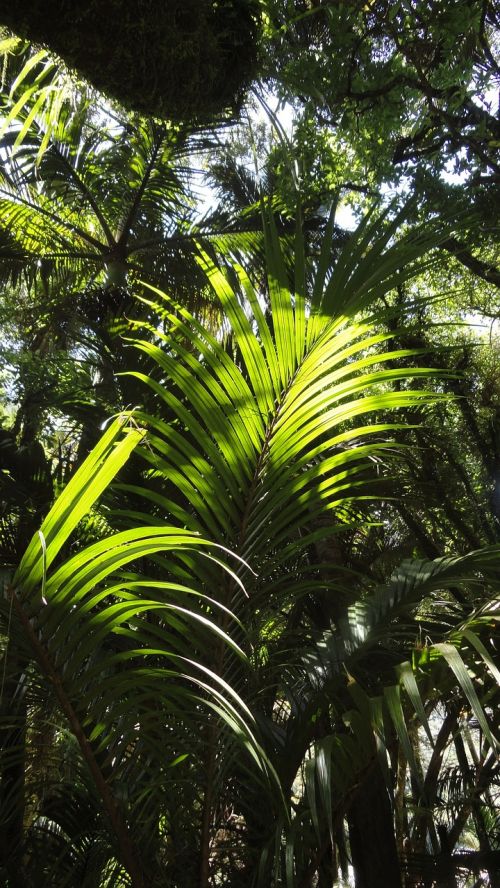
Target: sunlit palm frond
[{"x": 116, "y": 650}]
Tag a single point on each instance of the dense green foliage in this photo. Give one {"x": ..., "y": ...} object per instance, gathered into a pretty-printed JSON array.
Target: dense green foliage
[
  {"x": 397, "y": 91},
  {"x": 250, "y": 467},
  {"x": 415, "y": 76}
]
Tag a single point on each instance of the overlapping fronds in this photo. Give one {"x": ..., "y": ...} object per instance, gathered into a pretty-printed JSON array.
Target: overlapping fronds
[
  {"x": 263, "y": 441},
  {"x": 36, "y": 89},
  {"x": 270, "y": 437},
  {"x": 457, "y": 669},
  {"x": 120, "y": 651}
]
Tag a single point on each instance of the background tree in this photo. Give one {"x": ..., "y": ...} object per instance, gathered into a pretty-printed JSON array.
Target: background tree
[{"x": 409, "y": 90}]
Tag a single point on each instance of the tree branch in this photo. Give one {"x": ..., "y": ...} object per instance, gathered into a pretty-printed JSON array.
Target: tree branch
[{"x": 482, "y": 269}]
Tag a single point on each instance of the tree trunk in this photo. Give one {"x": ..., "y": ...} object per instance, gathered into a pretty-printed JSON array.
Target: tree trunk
[{"x": 371, "y": 835}]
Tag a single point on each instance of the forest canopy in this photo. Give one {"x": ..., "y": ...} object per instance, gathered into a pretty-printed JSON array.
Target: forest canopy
[{"x": 249, "y": 444}]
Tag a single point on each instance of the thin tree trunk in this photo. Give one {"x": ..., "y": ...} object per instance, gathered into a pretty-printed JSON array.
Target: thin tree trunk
[{"x": 423, "y": 822}]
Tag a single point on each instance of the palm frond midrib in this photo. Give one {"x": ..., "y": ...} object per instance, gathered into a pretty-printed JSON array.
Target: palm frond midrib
[{"x": 260, "y": 464}]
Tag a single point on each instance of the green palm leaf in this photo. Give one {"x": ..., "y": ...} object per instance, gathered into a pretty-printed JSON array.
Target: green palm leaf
[
  {"x": 40, "y": 90},
  {"x": 272, "y": 439},
  {"x": 108, "y": 642},
  {"x": 266, "y": 430}
]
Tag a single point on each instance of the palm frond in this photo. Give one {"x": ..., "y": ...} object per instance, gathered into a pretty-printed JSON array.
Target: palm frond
[{"x": 117, "y": 650}]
